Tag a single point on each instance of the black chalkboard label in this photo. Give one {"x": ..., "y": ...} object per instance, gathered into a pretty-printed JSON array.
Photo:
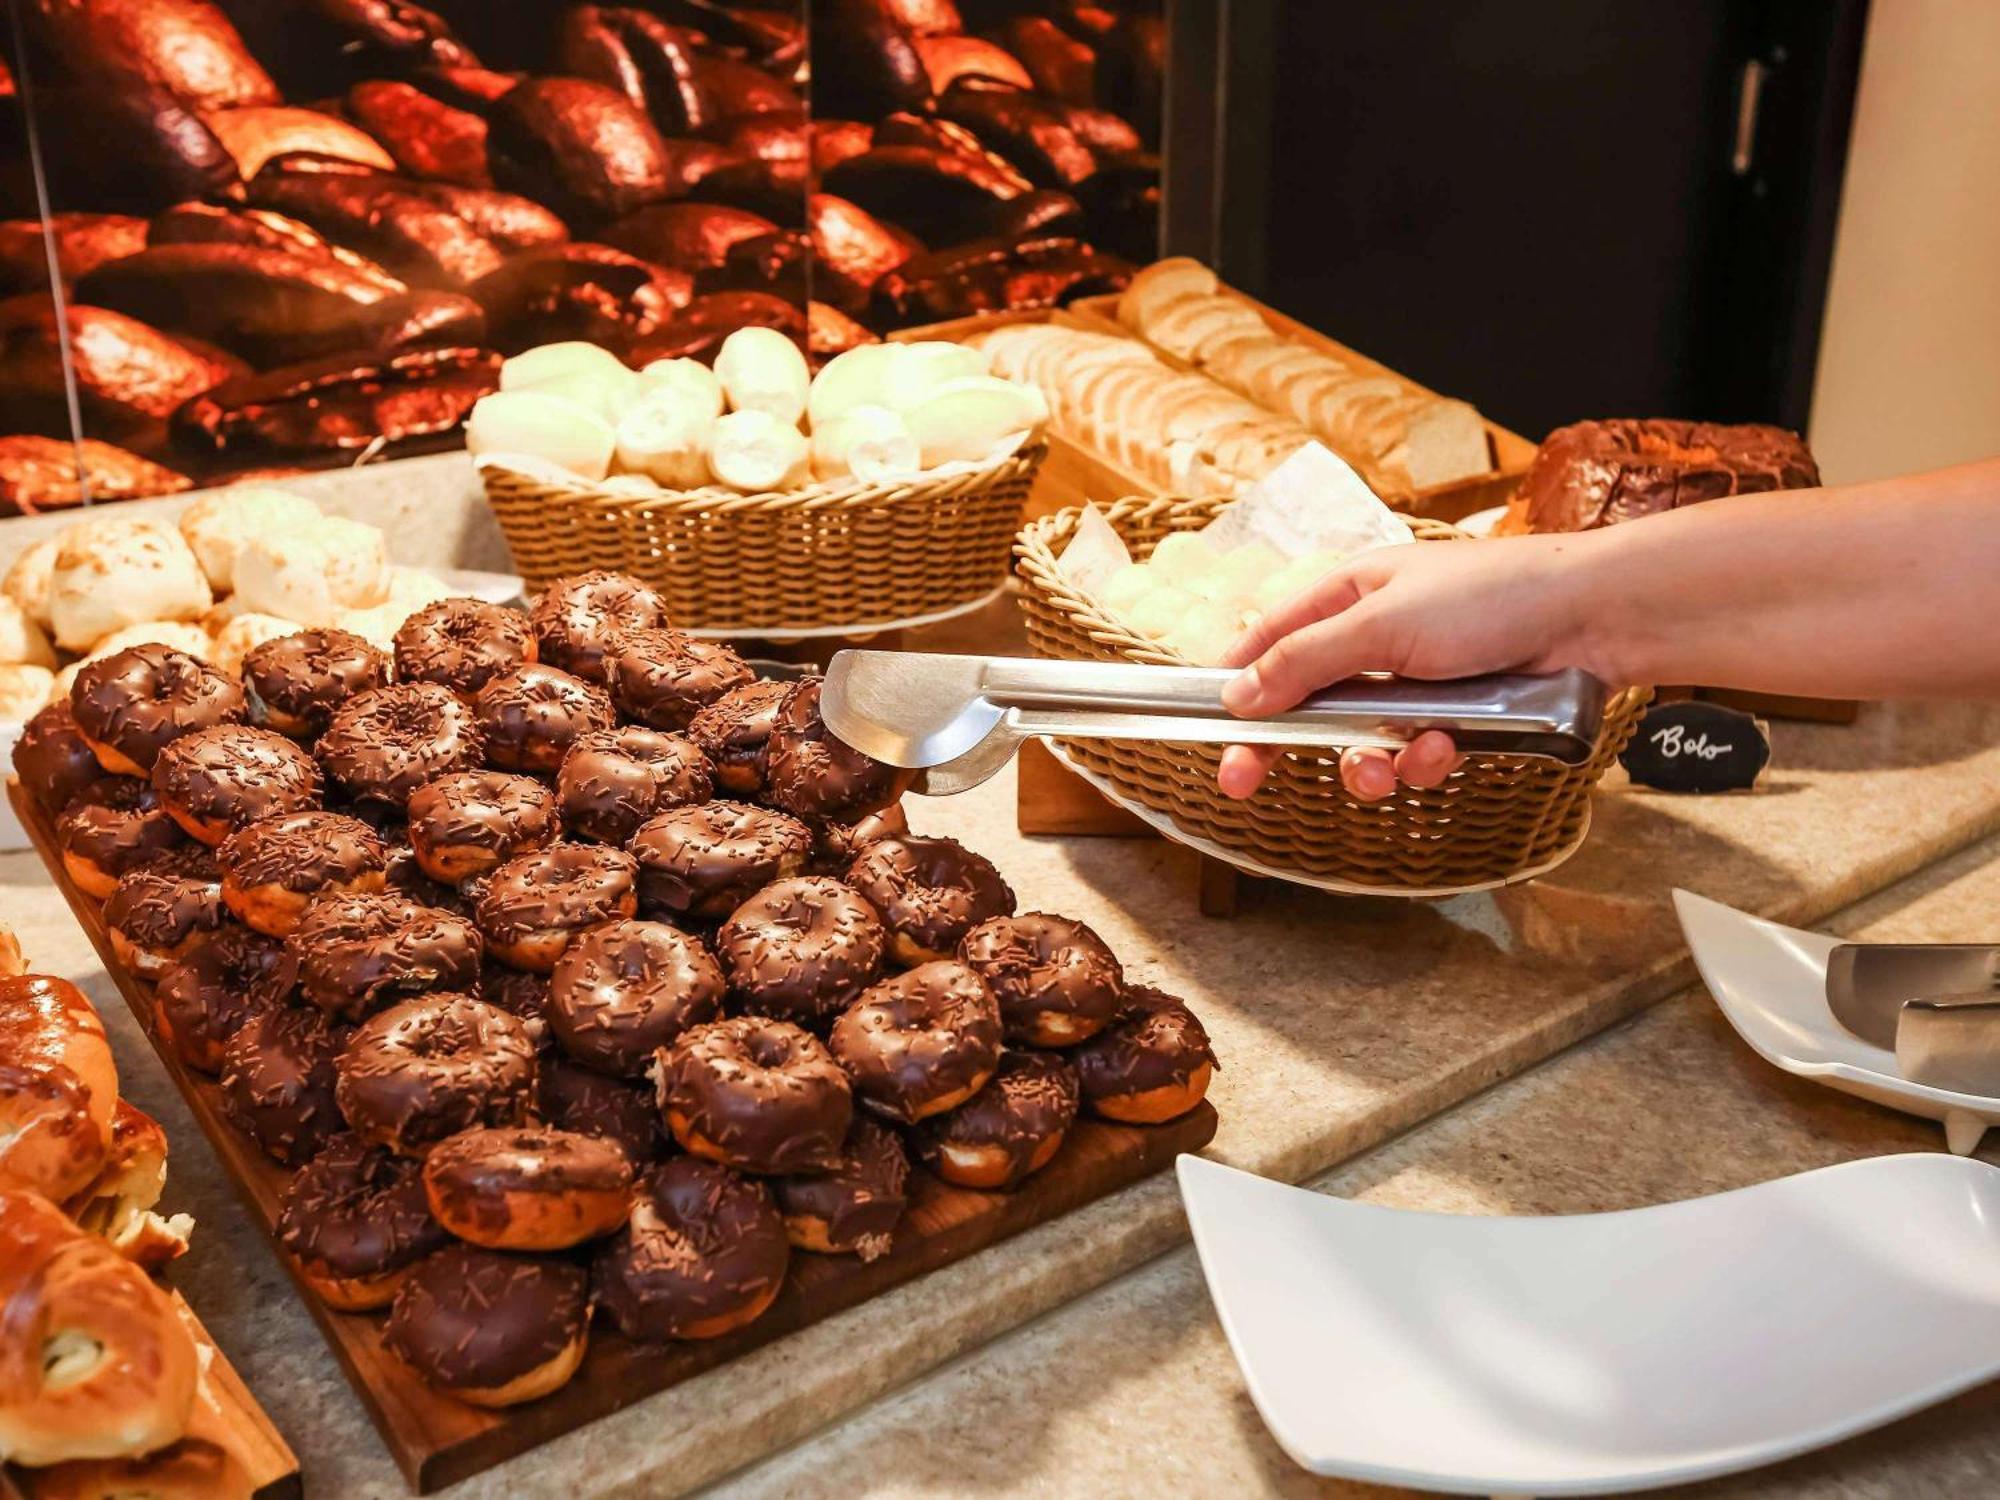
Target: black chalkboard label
[{"x": 1696, "y": 747}]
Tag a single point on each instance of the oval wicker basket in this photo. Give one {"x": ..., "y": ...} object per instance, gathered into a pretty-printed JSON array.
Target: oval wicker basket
[
  {"x": 825, "y": 559},
  {"x": 1498, "y": 818}
]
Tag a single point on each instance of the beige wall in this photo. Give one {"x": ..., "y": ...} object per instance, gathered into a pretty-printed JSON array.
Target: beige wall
[{"x": 1909, "y": 369}]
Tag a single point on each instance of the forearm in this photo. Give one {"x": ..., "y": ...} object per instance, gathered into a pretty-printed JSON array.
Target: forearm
[{"x": 1869, "y": 591}]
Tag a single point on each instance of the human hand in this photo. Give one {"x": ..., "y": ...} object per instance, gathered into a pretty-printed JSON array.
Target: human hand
[{"x": 1425, "y": 611}]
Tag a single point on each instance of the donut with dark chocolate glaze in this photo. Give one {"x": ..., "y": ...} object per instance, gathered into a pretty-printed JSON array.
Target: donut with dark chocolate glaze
[
  {"x": 356, "y": 1221},
  {"x": 132, "y": 704},
  {"x": 623, "y": 990},
  {"x": 920, "y": 1043},
  {"x": 204, "y": 999},
  {"x": 278, "y": 1080},
  {"x": 470, "y": 822},
  {"x": 800, "y": 949},
  {"x": 112, "y": 828},
  {"x": 461, "y": 644},
  {"x": 519, "y": 993},
  {"x": 576, "y": 619},
  {"x": 421, "y": 1071},
  {"x": 930, "y": 891},
  {"x": 1056, "y": 981},
  {"x": 613, "y": 780},
  {"x": 703, "y": 1253},
  {"x": 406, "y": 877},
  {"x": 54, "y": 760},
  {"x": 586, "y": 1101},
  {"x": 854, "y": 1207},
  {"x": 160, "y": 913},
  {"x": 759, "y": 1095},
  {"x": 214, "y": 781},
  {"x": 491, "y": 1329},
  {"x": 528, "y": 1187},
  {"x": 733, "y": 730},
  {"x": 295, "y": 683},
  {"x": 811, "y": 774},
  {"x": 383, "y": 745},
  {"x": 662, "y": 678},
  {"x": 705, "y": 861},
  {"x": 359, "y": 951},
  {"x": 530, "y": 716},
  {"x": 1007, "y": 1131},
  {"x": 836, "y": 845},
  {"x": 1152, "y": 1063},
  {"x": 531, "y": 907},
  {"x": 270, "y": 870}
]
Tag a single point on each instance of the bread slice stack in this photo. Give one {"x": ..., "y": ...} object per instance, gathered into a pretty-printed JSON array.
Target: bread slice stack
[
  {"x": 1181, "y": 432},
  {"x": 1401, "y": 438}
]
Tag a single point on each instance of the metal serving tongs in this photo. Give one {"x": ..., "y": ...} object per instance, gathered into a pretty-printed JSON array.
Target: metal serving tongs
[
  {"x": 1935, "y": 1005},
  {"x": 959, "y": 719}
]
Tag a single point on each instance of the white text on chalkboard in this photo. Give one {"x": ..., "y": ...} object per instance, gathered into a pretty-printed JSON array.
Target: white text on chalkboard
[{"x": 1673, "y": 743}]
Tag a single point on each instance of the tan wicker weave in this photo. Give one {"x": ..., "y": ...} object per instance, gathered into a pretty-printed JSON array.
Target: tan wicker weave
[
  {"x": 827, "y": 557},
  {"x": 1495, "y": 819}
]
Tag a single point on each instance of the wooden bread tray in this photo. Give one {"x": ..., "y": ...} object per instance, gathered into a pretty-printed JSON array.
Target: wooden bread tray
[{"x": 437, "y": 1440}]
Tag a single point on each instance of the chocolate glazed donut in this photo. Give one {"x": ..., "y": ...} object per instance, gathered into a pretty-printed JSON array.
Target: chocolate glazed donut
[
  {"x": 160, "y": 913},
  {"x": 529, "y": 717},
  {"x": 1057, "y": 983},
  {"x": 112, "y": 828},
  {"x": 1007, "y": 1131},
  {"x": 705, "y": 861},
  {"x": 214, "y": 781},
  {"x": 576, "y": 618},
  {"x": 585, "y": 1101},
  {"x": 356, "y": 1221},
  {"x": 491, "y": 1329},
  {"x": 855, "y": 1207},
  {"x": 921, "y": 1043},
  {"x": 1152, "y": 1063},
  {"x": 761, "y": 1096},
  {"x": 471, "y": 822},
  {"x": 528, "y": 1187},
  {"x": 270, "y": 870},
  {"x": 461, "y": 644},
  {"x": 811, "y": 774},
  {"x": 612, "y": 781},
  {"x": 663, "y": 678},
  {"x": 278, "y": 1081},
  {"x": 204, "y": 999},
  {"x": 383, "y": 745},
  {"x": 426, "y": 1069},
  {"x": 534, "y": 905},
  {"x": 358, "y": 952},
  {"x": 132, "y": 704},
  {"x": 800, "y": 949},
  {"x": 295, "y": 682},
  {"x": 930, "y": 891},
  {"x": 703, "y": 1253},
  {"x": 54, "y": 760},
  {"x": 624, "y": 990},
  {"x": 732, "y": 732}
]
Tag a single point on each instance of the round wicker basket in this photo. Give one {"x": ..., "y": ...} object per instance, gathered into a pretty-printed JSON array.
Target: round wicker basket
[
  {"x": 843, "y": 557},
  {"x": 1498, "y": 818}
]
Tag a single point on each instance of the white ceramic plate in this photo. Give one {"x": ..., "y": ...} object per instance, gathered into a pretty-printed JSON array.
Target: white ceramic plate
[
  {"x": 1602, "y": 1353},
  {"x": 1771, "y": 983}
]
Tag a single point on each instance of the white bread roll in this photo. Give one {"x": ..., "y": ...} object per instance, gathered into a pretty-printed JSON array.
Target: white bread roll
[
  {"x": 762, "y": 370},
  {"x": 114, "y": 573},
  {"x": 1183, "y": 556},
  {"x": 753, "y": 451},
  {"x": 541, "y": 425},
  {"x": 683, "y": 382},
  {"x": 25, "y": 689},
  {"x": 244, "y": 634},
  {"x": 870, "y": 443},
  {"x": 28, "y": 578},
  {"x": 918, "y": 371},
  {"x": 968, "y": 417},
  {"x": 377, "y": 626},
  {"x": 665, "y": 437},
  {"x": 316, "y": 573},
  {"x": 22, "y": 642},
  {"x": 1205, "y": 633},
  {"x": 182, "y": 635},
  {"x": 413, "y": 588},
  {"x": 594, "y": 378},
  {"x": 217, "y": 525},
  {"x": 855, "y": 378}
]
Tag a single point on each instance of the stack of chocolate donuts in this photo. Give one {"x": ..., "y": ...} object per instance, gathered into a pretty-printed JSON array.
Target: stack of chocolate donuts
[{"x": 575, "y": 968}]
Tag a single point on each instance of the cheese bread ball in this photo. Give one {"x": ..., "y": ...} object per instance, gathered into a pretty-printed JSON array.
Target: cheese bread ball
[
  {"x": 314, "y": 574},
  {"x": 218, "y": 525},
  {"x": 112, "y": 573}
]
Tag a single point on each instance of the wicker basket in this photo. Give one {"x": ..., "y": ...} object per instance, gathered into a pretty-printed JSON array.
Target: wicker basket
[
  {"x": 1498, "y": 818},
  {"x": 826, "y": 559}
]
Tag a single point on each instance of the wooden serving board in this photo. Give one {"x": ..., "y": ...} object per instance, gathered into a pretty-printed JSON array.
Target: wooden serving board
[{"x": 437, "y": 1440}]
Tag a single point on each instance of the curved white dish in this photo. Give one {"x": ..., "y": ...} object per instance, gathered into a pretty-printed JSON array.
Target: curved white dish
[
  {"x": 1771, "y": 983},
  {"x": 1602, "y": 1353}
]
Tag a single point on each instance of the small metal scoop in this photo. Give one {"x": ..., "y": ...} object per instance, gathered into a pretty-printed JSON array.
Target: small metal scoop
[
  {"x": 1935, "y": 1005},
  {"x": 959, "y": 719}
]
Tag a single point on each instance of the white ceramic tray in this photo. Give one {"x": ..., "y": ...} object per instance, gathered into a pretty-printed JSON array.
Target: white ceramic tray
[
  {"x": 1770, "y": 981},
  {"x": 1602, "y": 1353}
]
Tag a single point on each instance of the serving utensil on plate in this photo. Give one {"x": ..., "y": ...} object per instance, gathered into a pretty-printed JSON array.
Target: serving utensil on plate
[
  {"x": 959, "y": 719},
  {"x": 1935, "y": 1005}
]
